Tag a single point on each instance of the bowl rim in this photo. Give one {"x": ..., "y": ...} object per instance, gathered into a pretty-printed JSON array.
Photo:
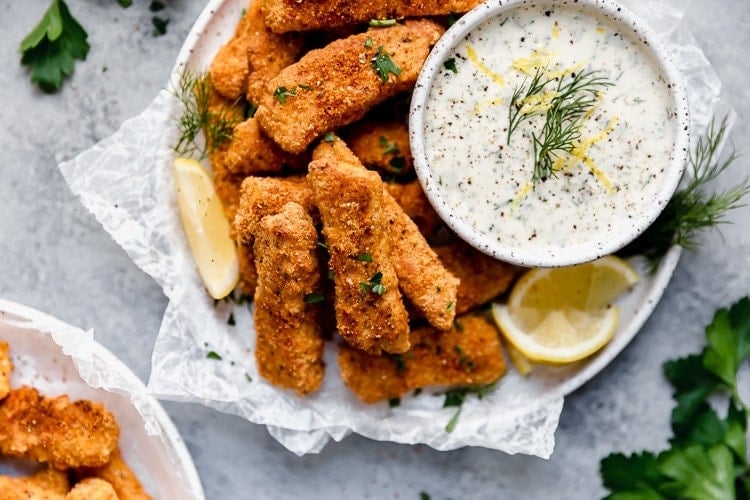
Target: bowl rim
[{"x": 592, "y": 249}]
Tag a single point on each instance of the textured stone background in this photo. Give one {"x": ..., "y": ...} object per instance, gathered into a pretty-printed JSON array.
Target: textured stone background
[{"x": 55, "y": 257}]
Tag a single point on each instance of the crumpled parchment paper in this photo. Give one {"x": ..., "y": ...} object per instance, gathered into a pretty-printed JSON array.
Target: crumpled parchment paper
[
  {"x": 126, "y": 182},
  {"x": 57, "y": 358}
]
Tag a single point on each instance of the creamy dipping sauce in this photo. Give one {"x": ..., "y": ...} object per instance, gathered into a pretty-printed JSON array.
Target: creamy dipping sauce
[{"x": 600, "y": 188}]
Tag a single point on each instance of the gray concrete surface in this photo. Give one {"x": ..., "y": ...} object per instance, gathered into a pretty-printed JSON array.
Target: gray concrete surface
[{"x": 55, "y": 257}]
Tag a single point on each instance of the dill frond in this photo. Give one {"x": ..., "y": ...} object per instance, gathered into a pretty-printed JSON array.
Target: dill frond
[
  {"x": 691, "y": 209},
  {"x": 216, "y": 123},
  {"x": 517, "y": 112}
]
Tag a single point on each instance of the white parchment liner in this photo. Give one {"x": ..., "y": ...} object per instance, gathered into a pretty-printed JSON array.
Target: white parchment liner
[{"x": 126, "y": 182}]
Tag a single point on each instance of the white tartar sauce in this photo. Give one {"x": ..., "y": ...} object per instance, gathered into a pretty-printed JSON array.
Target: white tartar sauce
[{"x": 616, "y": 166}]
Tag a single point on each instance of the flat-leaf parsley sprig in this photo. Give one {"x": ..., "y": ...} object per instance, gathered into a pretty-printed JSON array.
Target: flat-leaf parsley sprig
[
  {"x": 707, "y": 458},
  {"x": 563, "y": 107},
  {"x": 53, "y": 46},
  {"x": 194, "y": 90},
  {"x": 692, "y": 208}
]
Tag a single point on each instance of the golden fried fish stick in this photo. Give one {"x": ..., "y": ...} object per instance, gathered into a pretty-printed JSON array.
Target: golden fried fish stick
[
  {"x": 482, "y": 277},
  {"x": 382, "y": 146},
  {"x": 469, "y": 354},
  {"x": 57, "y": 431},
  {"x": 301, "y": 15},
  {"x": 229, "y": 68},
  {"x": 289, "y": 341},
  {"x": 338, "y": 84},
  {"x": 251, "y": 152},
  {"x": 94, "y": 489},
  {"x": 6, "y": 367},
  {"x": 412, "y": 199},
  {"x": 421, "y": 276},
  {"x": 262, "y": 196},
  {"x": 370, "y": 313},
  {"x": 120, "y": 476},
  {"x": 267, "y": 52},
  {"x": 51, "y": 480},
  {"x": 21, "y": 488}
]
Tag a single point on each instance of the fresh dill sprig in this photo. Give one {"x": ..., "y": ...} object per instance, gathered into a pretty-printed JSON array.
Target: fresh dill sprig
[
  {"x": 217, "y": 125},
  {"x": 691, "y": 208},
  {"x": 573, "y": 97}
]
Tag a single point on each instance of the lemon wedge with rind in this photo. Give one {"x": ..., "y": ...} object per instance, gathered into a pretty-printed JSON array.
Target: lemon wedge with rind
[
  {"x": 562, "y": 315},
  {"x": 206, "y": 228}
]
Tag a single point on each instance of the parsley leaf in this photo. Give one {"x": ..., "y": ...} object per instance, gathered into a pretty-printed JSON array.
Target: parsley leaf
[
  {"x": 213, "y": 355},
  {"x": 383, "y": 65},
  {"x": 450, "y": 64},
  {"x": 160, "y": 25},
  {"x": 125, "y": 3},
  {"x": 52, "y": 47},
  {"x": 708, "y": 454}
]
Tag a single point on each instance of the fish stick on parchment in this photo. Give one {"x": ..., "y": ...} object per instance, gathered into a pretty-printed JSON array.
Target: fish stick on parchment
[
  {"x": 6, "y": 367},
  {"x": 482, "y": 277},
  {"x": 383, "y": 146},
  {"x": 412, "y": 199},
  {"x": 261, "y": 196},
  {"x": 267, "y": 52},
  {"x": 370, "y": 313},
  {"x": 336, "y": 85},
  {"x": 469, "y": 354},
  {"x": 95, "y": 489},
  {"x": 56, "y": 431},
  {"x": 229, "y": 68},
  {"x": 301, "y": 15},
  {"x": 421, "y": 275},
  {"x": 289, "y": 341},
  {"x": 119, "y": 475}
]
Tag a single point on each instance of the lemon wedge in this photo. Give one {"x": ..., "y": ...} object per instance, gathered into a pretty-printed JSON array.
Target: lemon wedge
[
  {"x": 206, "y": 228},
  {"x": 563, "y": 315}
]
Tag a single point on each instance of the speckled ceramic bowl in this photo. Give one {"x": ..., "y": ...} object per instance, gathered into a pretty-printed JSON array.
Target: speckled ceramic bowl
[{"x": 623, "y": 227}]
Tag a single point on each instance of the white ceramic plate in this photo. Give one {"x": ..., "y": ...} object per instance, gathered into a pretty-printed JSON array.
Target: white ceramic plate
[{"x": 57, "y": 358}]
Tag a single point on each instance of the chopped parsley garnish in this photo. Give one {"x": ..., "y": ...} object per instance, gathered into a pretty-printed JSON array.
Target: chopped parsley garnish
[
  {"x": 364, "y": 257},
  {"x": 331, "y": 274},
  {"x": 452, "y": 18},
  {"x": 213, "y": 355},
  {"x": 397, "y": 164},
  {"x": 156, "y": 6},
  {"x": 282, "y": 93},
  {"x": 463, "y": 360},
  {"x": 248, "y": 377},
  {"x": 456, "y": 397},
  {"x": 125, "y": 3},
  {"x": 400, "y": 362},
  {"x": 389, "y": 147},
  {"x": 707, "y": 457},
  {"x": 381, "y": 23},
  {"x": 450, "y": 64},
  {"x": 449, "y": 306},
  {"x": 384, "y": 65},
  {"x": 53, "y": 46},
  {"x": 314, "y": 298},
  {"x": 423, "y": 496},
  {"x": 393, "y": 402},
  {"x": 329, "y": 137},
  {"x": 374, "y": 285},
  {"x": 231, "y": 321},
  {"x": 250, "y": 110},
  {"x": 160, "y": 25},
  {"x": 369, "y": 43}
]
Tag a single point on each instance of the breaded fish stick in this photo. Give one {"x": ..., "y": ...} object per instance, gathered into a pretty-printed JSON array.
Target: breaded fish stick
[
  {"x": 421, "y": 276},
  {"x": 262, "y": 196},
  {"x": 22, "y": 488},
  {"x": 119, "y": 475},
  {"x": 230, "y": 66},
  {"x": 482, "y": 277},
  {"x": 57, "y": 431},
  {"x": 251, "y": 152},
  {"x": 94, "y": 489},
  {"x": 370, "y": 313},
  {"x": 382, "y": 146},
  {"x": 469, "y": 354},
  {"x": 301, "y": 15},
  {"x": 338, "y": 84},
  {"x": 289, "y": 342},
  {"x": 6, "y": 367},
  {"x": 412, "y": 199},
  {"x": 267, "y": 52}
]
